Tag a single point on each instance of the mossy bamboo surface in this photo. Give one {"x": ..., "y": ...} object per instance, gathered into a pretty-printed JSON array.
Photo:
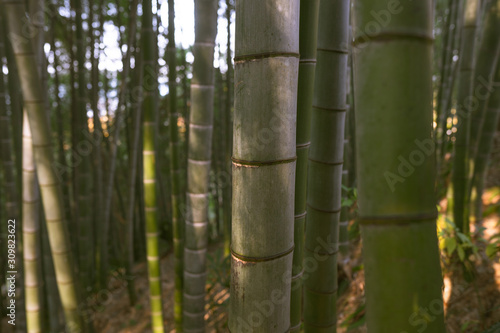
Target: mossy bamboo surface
[
  {"x": 464, "y": 94},
  {"x": 149, "y": 129},
  {"x": 397, "y": 211},
  {"x": 309, "y": 11},
  {"x": 198, "y": 167},
  {"x": 43, "y": 154},
  {"x": 264, "y": 160},
  {"x": 325, "y": 168}
]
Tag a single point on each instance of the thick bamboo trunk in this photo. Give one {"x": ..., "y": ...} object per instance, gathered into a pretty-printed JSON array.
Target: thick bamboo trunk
[
  {"x": 264, "y": 156},
  {"x": 43, "y": 154},
  {"x": 198, "y": 168},
  {"x": 465, "y": 99},
  {"x": 396, "y": 169},
  {"x": 325, "y": 169},
  {"x": 149, "y": 128}
]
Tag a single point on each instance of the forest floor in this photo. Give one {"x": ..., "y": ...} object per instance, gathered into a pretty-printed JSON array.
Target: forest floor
[{"x": 470, "y": 307}]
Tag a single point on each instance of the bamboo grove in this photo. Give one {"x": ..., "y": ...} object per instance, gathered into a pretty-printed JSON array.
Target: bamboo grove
[{"x": 248, "y": 165}]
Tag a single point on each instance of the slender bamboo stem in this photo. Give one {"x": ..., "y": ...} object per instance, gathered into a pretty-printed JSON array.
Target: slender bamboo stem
[
  {"x": 198, "y": 169},
  {"x": 31, "y": 227},
  {"x": 175, "y": 169},
  {"x": 464, "y": 94},
  {"x": 49, "y": 184},
  {"x": 309, "y": 11},
  {"x": 149, "y": 128},
  {"x": 325, "y": 168}
]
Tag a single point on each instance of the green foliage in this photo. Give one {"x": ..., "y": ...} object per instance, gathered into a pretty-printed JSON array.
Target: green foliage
[
  {"x": 494, "y": 246},
  {"x": 451, "y": 240},
  {"x": 351, "y": 196}
]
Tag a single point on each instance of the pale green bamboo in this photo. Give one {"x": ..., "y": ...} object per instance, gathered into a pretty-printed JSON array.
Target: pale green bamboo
[
  {"x": 175, "y": 169},
  {"x": 31, "y": 236},
  {"x": 149, "y": 128},
  {"x": 266, "y": 75},
  {"x": 325, "y": 168},
  {"x": 396, "y": 167},
  {"x": 43, "y": 154},
  {"x": 464, "y": 100},
  {"x": 198, "y": 168},
  {"x": 309, "y": 11}
]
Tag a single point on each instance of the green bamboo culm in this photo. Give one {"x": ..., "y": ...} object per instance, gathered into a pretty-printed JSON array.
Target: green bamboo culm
[
  {"x": 31, "y": 236},
  {"x": 149, "y": 125},
  {"x": 308, "y": 31},
  {"x": 487, "y": 61},
  {"x": 465, "y": 97},
  {"x": 396, "y": 165},
  {"x": 50, "y": 187},
  {"x": 485, "y": 144},
  {"x": 198, "y": 168},
  {"x": 175, "y": 169},
  {"x": 325, "y": 168},
  {"x": 264, "y": 160},
  {"x": 487, "y": 58}
]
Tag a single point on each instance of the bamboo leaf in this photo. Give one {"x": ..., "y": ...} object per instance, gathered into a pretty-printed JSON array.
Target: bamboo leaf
[
  {"x": 461, "y": 253},
  {"x": 492, "y": 249},
  {"x": 451, "y": 245}
]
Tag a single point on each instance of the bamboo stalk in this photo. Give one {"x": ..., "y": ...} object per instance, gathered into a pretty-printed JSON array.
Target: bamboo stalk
[
  {"x": 264, "y": 160},
  {"x": 396, "y": 165},
  {"x": 464, "y": 93},
  {"x": 198, "y": 168},
  {"x": 49, "y": 184},
  {"x": 309, "y": 11}
]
